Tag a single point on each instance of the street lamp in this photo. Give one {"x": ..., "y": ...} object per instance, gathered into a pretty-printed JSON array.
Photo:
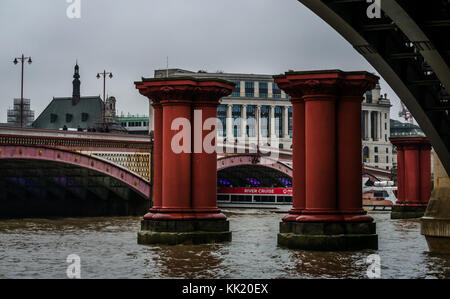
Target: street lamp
[
  {"x": 16, "y": 61},
  {"x": 99, "y": 75}
]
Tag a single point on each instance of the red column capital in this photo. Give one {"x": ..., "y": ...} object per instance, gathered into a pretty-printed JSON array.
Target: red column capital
[
  {"x": 167, "y": 89},
  {"x": 314, "y": 83},
  {"x": 355, "y": 84}
]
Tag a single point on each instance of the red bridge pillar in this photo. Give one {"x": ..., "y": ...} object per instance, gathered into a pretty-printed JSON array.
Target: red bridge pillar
[
  {"x": 298, "y": 148},
  {"x": 184, "y": 185},
  {"x": 413, "y": 176},
  {"x": 333, "y": 218},
  {"x": 157, "y": 160}
]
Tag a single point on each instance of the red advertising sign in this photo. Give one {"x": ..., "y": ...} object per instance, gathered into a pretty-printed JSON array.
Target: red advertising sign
[{"x": 256, "y": 191}]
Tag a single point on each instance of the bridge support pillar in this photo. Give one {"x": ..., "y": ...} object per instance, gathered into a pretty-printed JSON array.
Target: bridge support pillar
[
  {"x": 413, "y": 177},
  {"x": 332, "y": 218},
  {"x": 436, "y": 221},
  {"x": 298, "y": 150},
  {"x": 188, "y": 210},
  {"x": 156, "y": 159}
]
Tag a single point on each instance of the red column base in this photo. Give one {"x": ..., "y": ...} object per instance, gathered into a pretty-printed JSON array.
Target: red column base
[
  {"x": 410, "y": 204},
  {"x": 151, "y": 213},
  {"x": 293, "y": 215},
  {"x": 334, "y": 216},
  {"x": 185, "y": 214}
]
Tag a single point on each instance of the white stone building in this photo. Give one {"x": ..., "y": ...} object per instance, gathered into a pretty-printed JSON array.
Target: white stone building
[{"x": 375, "y": 117}]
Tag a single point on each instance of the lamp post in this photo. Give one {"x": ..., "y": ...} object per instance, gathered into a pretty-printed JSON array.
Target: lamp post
[
  {"x": 99, "y": 75},
  {"x": 16, "y": 61}
]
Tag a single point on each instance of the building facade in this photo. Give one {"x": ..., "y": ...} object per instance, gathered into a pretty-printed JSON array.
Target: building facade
[
  {"x": 134, "y": 124},
  {"x": 257, "y": 104},
  {"x": 404, "y": 129},
  {"x": 79, "y": 112},
  {"x": 376, "y": 126},
  {"x": 14, "y": 114}
]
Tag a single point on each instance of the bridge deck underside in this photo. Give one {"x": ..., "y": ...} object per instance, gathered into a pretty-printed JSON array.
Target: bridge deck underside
[
  {"x": 239, "y": 176},
  {"x": 31, "y": 188}
]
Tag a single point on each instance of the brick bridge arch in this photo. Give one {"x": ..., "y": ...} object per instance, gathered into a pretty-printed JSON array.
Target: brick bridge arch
[
  {"x": 76, "y": 159},
  {"x": 240, "y": 160}
]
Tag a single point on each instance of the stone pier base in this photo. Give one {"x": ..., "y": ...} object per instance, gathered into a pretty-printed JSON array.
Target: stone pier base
[
  {"x": 436, "y": 222},
  {"x": 173, "y": 232},
  {"x": 328, "y": 236},
  {"x": 407, "y": 212}
]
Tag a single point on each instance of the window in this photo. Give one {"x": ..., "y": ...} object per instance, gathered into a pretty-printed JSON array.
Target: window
[
  {"x": 376, "y": 149},
  {"x": 279, "y": 121},
  {"x": 222, "y": 116},
  {"x": 251, "y": 121},
  {"x": 263, "y": 89},
  {"x": 387, "y": 150},
  {"x": 237, "y": 89},
  {"x": 363, "y": 124},
  {"x": 387, "y": 159},
  {"x": 290, "y": 121},
  {"x": 249, "y": 89},
  {"x": 84, "y": 116},
  {"x": 53, "y": 118},
  {"x": 264, "y": 119},
  {"x": 385, "y": 126},
  {"x": 236, "y": 115},
  {"x": 373, "y": 131},
  {"x": 385, "y": 116},
  {"x": 366, "y": 154},
  {"x": 369, "y": 96},
  {"x": 376, "y": 159},
  {"x": 69, "y": 117},
  {"x": 276, "y": 91}
]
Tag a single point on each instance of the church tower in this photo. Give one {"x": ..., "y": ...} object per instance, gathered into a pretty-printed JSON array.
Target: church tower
[{"x": 76, "y": 85}]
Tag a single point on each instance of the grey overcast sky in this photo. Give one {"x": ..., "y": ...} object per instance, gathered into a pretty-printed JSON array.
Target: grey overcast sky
[{"x": 132, "y": 38}]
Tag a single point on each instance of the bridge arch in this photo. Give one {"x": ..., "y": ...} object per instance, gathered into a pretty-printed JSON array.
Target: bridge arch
[
  {"x": 80, "y": 160},
  {"x": 240, "y": 160},
  {"x": 251, "y": 170}
]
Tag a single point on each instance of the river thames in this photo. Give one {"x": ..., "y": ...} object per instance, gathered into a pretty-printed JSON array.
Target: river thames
[{"x": 38, "y": 248}]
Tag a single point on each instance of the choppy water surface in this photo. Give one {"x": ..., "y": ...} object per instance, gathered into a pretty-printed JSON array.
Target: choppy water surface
[{"x": 38, "y": 248}]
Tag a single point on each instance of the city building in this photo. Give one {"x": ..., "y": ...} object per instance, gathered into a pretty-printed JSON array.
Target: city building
[
  {"x": 14, "y": 114},
  {"x": 134, "y": 124},
  {"x": 404, "y": 129},
  {"x": 376, "y": 128},
  {"x": 78, "y": 113},
  {"x": 258, "y": 95},
  {"x": 400, "y": 129}
]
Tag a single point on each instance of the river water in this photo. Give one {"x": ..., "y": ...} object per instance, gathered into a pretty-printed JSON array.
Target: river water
[{"x": 38, "y": 248}]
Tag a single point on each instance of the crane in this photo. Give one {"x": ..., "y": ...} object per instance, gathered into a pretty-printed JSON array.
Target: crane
[{"x": 406, "y": 114}]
